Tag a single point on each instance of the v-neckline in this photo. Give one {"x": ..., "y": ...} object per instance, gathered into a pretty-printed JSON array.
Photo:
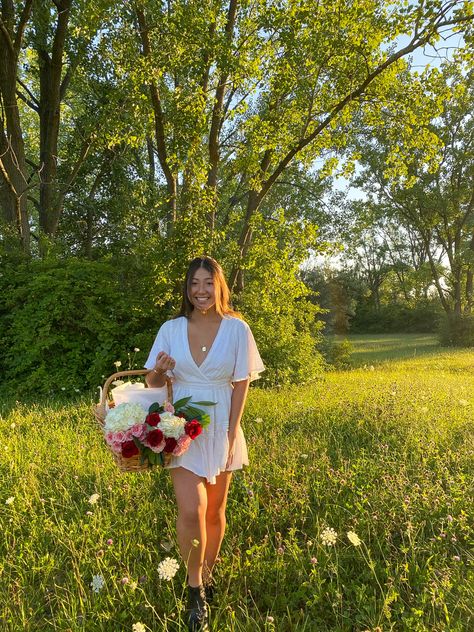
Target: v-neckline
[{"x": 213, "y": 344}]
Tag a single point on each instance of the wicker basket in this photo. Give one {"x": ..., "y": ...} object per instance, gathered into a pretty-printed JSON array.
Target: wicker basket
[{"x": 133, "y": 464}]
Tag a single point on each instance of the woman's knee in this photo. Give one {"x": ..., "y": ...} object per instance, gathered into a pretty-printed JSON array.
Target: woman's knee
[
  {"x": 215, "y": 516},
  {"x": 191, "y": 515}
]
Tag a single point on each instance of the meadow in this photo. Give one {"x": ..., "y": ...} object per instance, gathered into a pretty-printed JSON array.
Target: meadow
[{"x": 383, "y": 451}]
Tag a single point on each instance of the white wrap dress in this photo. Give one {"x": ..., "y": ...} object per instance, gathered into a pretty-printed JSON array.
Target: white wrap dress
[{"x": 232, "y": 357}]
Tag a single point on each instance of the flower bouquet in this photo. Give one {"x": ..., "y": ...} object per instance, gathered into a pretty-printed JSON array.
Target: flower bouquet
[{"x": 156, "y": 435}]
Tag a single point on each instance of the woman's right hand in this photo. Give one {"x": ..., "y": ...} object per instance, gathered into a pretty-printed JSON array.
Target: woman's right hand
[{"x": 164, "y": 362}]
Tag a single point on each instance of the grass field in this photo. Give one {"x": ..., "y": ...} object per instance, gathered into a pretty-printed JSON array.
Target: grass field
[{"x": 384, "y": 451}]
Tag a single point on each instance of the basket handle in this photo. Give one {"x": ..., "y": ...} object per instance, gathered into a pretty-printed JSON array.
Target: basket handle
[{"x": 113, "y": 377}]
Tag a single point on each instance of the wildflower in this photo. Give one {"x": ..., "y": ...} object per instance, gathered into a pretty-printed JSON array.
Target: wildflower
[
  {"x": 456, "y": 558},
  {"x": 259, "y": 420},
  {"x": 93, "y": 499},
  {"x": 329, "y": 536},
  {"x": 77, "y": 390},
  {"x": 10, "y": 500},
  {"x": 110, "y": 541},
  {"x": 313, "y": 561},
  {"x": 354, "y": 538},
  {"x": 100, "y": 553},
  {"x": 303, "y": 456},
  {"x": 132, "y": 586},
  {"x": 89, "y": 513},
  {"x": 449, "y": 518},
  {"x": 97, "y": 583},
  {"x": 168, "y": 568},
  {"x": 124, "y": 580},
  {"x": 138, "y": 627},
  {"x": 117, "y": 363},
  {"x": 195, "y": 542},
  {"x": 13, "y": 425},
  {"x": 136, "y": 349},
  {"x": 280, "y": 550},
  {"x": 63, "y": 388},
  {"x": 270, "y": 619}
]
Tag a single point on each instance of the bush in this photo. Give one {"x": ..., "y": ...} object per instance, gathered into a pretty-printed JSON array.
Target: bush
[
  {"x": 396, "y": 318},
  {"x": 337, "y": 354},
  {"x": 457, "y": 330},
  {"x": 64, "y": 323}
]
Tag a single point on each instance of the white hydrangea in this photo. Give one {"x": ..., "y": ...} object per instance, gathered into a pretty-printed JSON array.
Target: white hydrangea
[
  {"x": 124, "y": 416},
  {"x": 171, "y": 426}
]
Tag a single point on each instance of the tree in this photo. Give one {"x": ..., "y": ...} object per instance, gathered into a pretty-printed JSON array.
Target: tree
[
  {"x": 434, "y": 198},
  {"x": 257, "y": 88}
]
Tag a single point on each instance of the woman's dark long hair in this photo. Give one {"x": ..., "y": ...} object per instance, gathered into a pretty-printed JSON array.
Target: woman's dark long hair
[{"x": 221, "y": 289}]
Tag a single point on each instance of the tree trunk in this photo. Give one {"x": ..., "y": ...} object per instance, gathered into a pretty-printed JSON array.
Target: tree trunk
[
  {"x": 50, "y": 105},
  {"x": 14, "y": 177}
]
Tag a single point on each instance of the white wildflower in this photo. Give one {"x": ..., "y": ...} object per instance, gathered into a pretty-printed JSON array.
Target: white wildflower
[
  {"x": 329, "y": 536},
  {"x": 9, "y": 501},
  {"x": 136, "y": 349},
  {"x": 117, "y": 363},
  {"x": 259, "y": 420},
  {"x": 93, "y": 499},
  {"x": 97, "y": 583},
  {"x": 168, "y": 568},
  {"x": 171, "y": 426},
  {"x": 354, "y": 538},
  {"x": 138, "y": 627}
]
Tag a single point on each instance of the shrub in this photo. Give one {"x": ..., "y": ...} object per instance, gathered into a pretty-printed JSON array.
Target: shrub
[
  {"x": 64, "y": 323},
  {"x": 457, "y": 330}
]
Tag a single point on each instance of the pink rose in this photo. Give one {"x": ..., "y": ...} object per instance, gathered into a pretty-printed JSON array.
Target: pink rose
[
  {"x": 169, "y": 408},
  {"x": 138, "y": 430},
  {"x": 183, "y": 445},
  {"x": 119, "y": 436}
]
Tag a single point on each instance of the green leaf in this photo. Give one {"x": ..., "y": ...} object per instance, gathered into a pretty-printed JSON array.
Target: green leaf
[
  {"x": 181, "y": 402},
  {"x": 205, "y": 403},
  {"x": 155, "y": 408}
]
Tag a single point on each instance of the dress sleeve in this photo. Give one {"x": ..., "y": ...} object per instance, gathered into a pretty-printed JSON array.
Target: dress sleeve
[
  {"x": 162, "y": 343},
  {"x": 248, "y": 363}
]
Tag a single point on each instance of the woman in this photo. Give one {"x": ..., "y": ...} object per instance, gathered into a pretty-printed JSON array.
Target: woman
[{"x": 213, "y": 357}]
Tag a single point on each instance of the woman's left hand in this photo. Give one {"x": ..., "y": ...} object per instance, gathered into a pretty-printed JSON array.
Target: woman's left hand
[{"x": 230, "y": 454}]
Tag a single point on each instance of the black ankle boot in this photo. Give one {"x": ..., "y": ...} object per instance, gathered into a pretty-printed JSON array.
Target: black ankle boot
[
  {"x": 197, "y": 617},
  {"x": 209, "y": 589}
]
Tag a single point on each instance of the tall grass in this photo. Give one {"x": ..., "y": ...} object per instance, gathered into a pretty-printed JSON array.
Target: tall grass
[{"x": 385, "y": 452}]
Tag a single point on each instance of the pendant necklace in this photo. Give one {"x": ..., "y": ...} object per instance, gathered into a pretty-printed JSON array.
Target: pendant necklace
[{"x": 204, "y": 348}]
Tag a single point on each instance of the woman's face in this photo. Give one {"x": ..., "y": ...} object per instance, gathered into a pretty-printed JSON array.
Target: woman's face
[{"x": 201, "y": 291}]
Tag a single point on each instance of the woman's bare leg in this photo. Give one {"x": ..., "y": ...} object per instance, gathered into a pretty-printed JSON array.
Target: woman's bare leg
[
  {"x": 191, "y": 497},
  {"x": 215, "y": 517}
]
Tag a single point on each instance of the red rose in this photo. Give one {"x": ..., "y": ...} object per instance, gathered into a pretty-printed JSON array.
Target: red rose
[
  {"x": 170, "y": 444},
  {"x": 182, "y": 415},
  {"x": 129, "y": 449},
  {"x": 193, "y": 428},
  {"x": 154, "y": 438},
  {"x": 153, "y": 419}
]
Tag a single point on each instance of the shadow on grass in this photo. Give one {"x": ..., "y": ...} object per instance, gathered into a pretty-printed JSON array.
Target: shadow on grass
[{"x": 376, "y": 348}]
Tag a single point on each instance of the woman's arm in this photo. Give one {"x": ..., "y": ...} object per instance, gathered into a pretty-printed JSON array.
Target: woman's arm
[{"x": 237, "y": 405}]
